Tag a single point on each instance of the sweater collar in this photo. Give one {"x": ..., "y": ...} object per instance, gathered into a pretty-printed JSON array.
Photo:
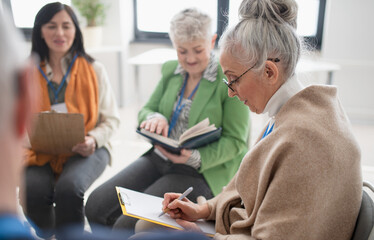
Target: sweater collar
[
  {"x": 290, "y": 88},
  {"x": 210, "y": 72}
]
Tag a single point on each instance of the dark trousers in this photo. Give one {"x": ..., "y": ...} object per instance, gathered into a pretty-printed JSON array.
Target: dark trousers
[
  {"x": 56, "y": 203},
  {"x": 150, "y": 174}
]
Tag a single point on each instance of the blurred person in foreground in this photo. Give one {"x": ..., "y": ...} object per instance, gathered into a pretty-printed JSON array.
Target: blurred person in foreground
[{"x": 17, "y": 96}]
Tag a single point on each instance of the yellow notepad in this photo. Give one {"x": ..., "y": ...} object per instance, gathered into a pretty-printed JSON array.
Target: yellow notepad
[{"x": 147, "y": 207}]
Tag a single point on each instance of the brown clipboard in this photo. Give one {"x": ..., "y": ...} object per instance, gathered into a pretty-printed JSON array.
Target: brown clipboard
[{"x": 56, "y": 133}]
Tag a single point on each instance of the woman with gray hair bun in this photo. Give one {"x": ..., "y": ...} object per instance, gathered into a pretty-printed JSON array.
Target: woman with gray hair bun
[
  {"x": 190, "y": 90},
  {"x": 302, "y": 178}
]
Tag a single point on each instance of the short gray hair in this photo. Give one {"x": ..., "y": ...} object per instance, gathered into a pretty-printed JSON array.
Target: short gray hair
[
  {"x": 12, "y": 59},
  {"x": 189, "y": 25},
  {"x": 267, "y": 29}
]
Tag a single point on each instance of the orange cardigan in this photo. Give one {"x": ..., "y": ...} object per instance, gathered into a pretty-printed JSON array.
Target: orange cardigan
[{"x": 81, "y": 96}]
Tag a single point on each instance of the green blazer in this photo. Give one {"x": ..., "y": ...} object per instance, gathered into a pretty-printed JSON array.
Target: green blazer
[{"x": 221, "y": 159}]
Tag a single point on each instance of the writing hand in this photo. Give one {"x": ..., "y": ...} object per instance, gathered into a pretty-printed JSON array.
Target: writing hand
[
  {"x": 184, "y": 208},
  {"x": 180, "y": 159},
  {"x": 86, "y": 148}
]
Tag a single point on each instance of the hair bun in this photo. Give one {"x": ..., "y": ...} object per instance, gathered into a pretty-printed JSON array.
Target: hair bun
[{"x": 276, "y": 11}]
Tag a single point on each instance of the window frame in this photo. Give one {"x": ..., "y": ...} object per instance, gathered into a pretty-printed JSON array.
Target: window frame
[
  {"x": 163, "y": 37},
  {"x": 27, "y": 32},
  {"x": 223, "y": 7},
  {"x": 316, "y": 41}
]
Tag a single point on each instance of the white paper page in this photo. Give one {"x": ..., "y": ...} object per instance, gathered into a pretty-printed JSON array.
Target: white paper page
[
  {"x": 150, "y": 207},
  {"x": 196, "y": 130},
  {"x": 197, "y": 127},
  {"x": 184, "y": 138}
]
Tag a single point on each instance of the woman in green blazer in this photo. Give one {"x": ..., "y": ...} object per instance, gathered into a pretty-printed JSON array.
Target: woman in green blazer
[{"x": 190, "y": 90}]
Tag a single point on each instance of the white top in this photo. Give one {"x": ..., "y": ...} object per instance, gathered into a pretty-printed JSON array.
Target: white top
[{"x": 291, "y": 87}]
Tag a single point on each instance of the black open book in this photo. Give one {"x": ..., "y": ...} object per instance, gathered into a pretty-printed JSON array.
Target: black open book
[{"x": 195, "y": 137}]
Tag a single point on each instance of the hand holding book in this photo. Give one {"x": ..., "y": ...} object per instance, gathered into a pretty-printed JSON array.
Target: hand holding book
[
  {"x": 157, "y": 124},
  {"x": 197, "y": 136}
]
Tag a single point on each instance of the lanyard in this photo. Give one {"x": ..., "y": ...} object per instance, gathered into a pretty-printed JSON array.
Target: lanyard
[
  {"x": 268, "y": 130},
  {"x": 56, "y": 91},
  {"x": 179, "y": 107}
]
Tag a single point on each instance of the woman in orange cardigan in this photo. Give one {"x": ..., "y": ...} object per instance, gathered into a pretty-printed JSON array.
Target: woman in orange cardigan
[{"x": 70, "y": 81}]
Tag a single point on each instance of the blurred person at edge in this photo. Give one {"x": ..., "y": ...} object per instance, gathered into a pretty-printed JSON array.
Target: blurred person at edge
[{"x": 17, "y": 95}]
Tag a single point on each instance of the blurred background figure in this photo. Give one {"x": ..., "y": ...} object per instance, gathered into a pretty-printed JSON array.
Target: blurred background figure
[{"x": 70, "y": 81}]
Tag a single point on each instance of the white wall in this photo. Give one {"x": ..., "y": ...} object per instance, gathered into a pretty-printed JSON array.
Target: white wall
[
  {"x": 148, "y": 77},
  {"x": 348, "y": 41},
  {"x": 117, "y": 34},
  {"x": 112, "y": 52}
]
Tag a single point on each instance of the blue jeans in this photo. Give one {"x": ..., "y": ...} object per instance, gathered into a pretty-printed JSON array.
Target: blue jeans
[
  {"x": 52, "y": 203},
  {"x": 149, "y": 174}
]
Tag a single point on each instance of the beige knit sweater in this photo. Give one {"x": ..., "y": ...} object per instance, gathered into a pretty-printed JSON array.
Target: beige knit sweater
[{"x": 303, "y": 181}]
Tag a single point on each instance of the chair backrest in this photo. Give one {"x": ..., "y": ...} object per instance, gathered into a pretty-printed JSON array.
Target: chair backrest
[{"x": 364, "y": 229}]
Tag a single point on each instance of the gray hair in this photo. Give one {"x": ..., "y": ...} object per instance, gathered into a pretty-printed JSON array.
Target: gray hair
[
  {"x": 267, "y": 29},
  {"x": 189, "y": 25},
  {"x": 12, "y": 59}
]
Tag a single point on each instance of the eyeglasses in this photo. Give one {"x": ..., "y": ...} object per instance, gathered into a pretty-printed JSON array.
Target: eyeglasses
[{"x": 229, "y": 84}]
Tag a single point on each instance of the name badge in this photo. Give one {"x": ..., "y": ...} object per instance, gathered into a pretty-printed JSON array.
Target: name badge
[{"x": 59, "y": 107}]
